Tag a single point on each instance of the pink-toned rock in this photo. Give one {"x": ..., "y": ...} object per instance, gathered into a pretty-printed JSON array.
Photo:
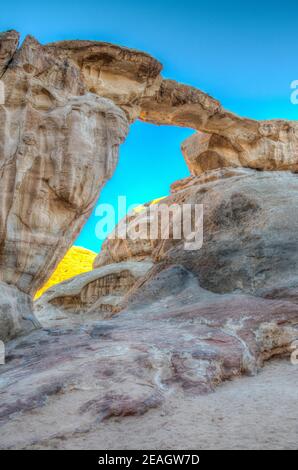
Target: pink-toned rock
[{"x": 134, "y": 362}]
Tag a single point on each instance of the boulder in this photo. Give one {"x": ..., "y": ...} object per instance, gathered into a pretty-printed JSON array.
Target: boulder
[
  {"x": 16, "y": 313},
  {"x": 273, "y": 148}
]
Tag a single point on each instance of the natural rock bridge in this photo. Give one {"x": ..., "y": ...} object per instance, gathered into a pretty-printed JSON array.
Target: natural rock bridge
[
  {"x": 67, "y": 109},
  {"x": 188, "y": 320}
]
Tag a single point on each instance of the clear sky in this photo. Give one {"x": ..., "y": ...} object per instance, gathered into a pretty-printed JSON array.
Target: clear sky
[{"x": 242, "y": 53}]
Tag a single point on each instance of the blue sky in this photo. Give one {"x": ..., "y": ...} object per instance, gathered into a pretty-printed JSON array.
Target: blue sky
[{"x": 242, "y": 53}]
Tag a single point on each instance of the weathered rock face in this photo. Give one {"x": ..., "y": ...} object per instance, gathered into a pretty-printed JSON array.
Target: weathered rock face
[
  {"x": 189, "y": 318},
  {"x": 131, "y": 79},
  {"x": 115, "y": 249},
  {"x": 98, "y": 292},
  {"x": 124, "y": 75},
  {"x": 136, "y": 361},
  {"x": 274, "y": 147},
  {"x": 250, "y": 231},
  {"x": 67, "y": 108},
  {"x": 225, "y": 139},
  {"x": 9, "y": 41},
  {"x": 16, "y": 315},
  {"x": 59, "y": 145}
]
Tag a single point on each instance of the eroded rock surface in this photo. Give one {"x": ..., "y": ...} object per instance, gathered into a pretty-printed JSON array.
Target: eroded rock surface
[
  {"x": 124, "y": 75},
  {"x": 134, "y": 362},
  {"x": 16, "y": 313},
  {"x": 132, "y": 80},
  {"x": 59, "y": 144},
  {"x": 273, "y": 147},
  {"x": 97, "y": 293},
  {"x": 195, "y": 318},
  {"x": 66, "y": 111},
  {"x": 250, "y": 231},
  {"x": 9, "y": 41},
  {"x": 189, "y": 319}
]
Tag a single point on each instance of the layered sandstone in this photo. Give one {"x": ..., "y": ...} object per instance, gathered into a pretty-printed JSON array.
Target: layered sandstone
[
  {"x": 250, "y": 231},
  {"x": 59, "y": 144},
  {"x": 65, "y": 113},
  {"x": 86, "y": 374},
  {"x": 188, "y": 318},
  {"x": 124, "y": 75},
  {"x": 16, "y": 313},
  {"x": 274, "y": 147},
  {"x": 132, "y": 80},
  {"x": 98, "y": 293},
  {"x": 67, "y": 108},
  {"x": 9, "y": 41}
]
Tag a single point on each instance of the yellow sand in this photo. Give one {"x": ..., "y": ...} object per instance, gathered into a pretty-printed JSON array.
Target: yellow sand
[{"x": 76, "y": 261}]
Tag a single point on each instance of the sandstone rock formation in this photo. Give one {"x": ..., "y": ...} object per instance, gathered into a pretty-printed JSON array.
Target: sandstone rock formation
[
  {"x": 9, "y": 41},
  {"x": 248, "y": 258},
  {"x": 67, "y": 108},
  {"x": 98, "y": 292},
  {"x": 187, "y": 319},
  {"x": 250, "y": 231},
  {"x": 274, "y": 147},
  {"x": 225, "y": 139},
  {"x": 16, "y": 314},
  {"x": 77, "y": 260},
  {"x": 59, "y": 145},
  {"x": 123, "y": 75},
  {"x": 85, "y": 374}
]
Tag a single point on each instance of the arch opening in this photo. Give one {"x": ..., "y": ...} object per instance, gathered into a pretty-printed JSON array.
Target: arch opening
[{"x": 150, "y": 161}]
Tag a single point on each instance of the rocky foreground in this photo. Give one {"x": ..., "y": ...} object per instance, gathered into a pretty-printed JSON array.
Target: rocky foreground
[
  {"x": 152, "y": 320},
  {"x": 248, "y": 413}
]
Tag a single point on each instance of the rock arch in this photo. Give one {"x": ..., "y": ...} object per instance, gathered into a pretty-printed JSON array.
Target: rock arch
[{"x": 67, "y": 109}]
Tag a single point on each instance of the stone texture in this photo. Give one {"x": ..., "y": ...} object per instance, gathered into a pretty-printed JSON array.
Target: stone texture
[
  {"x": 134, "y": 362},
  {"x": 250, "y": 235},
  {"x": 9, "y": 41},
  {"x": 224, "y": 139},
  {"x": 250, "y": 231},
  {"x": 77, "y": 260},
  {"x": 97, "y": 293},
  {"x": 188, "y": 319},
  {"x": 274, "y": 147},
  {"x": 197, "y": 318},
  {"x": 52, "y": 171},
  {"x": 16, "y": 315},
  {"x": 132, "y": 80},
  {"x": 124, "y": 75},
  {"x": 67, "y": 108},
  {"x": 59, "y": 145}
]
